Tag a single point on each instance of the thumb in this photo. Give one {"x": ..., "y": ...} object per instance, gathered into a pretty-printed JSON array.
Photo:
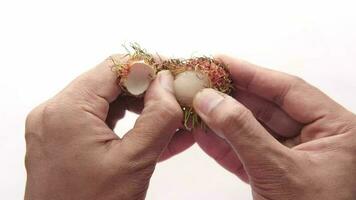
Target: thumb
[
  {"x": 234, "y": 122},
  {"x": 158, "y": 122}
]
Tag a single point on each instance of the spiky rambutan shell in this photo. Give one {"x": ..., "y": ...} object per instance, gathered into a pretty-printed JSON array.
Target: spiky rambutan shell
[{"x": 190, "y": 76}]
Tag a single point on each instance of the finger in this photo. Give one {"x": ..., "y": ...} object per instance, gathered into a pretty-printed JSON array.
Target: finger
[
  {"x": 269, "y": 114},
  {"x": 95, "y": 89},
  {"x": 158, "y": 121},
  {"x": 181, "y": 141},
  {"x": 230, "y": 119},
  {"x": 220, "y": 151},
  {"x": 288, "y": 92}
]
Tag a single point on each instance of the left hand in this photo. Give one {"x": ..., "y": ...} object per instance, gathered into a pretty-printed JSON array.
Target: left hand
[{"x": 73, "y": 153}]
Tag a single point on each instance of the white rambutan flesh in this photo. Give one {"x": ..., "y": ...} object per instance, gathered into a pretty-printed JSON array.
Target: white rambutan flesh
[{"x": 187, "y": 84}]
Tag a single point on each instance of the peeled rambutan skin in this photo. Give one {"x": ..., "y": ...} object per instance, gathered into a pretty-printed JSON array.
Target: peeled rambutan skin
[{"x": 138, "y": 78}]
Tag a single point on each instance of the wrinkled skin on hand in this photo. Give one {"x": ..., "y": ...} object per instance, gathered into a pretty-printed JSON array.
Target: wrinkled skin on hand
[
  {"x": 281, "y": 135},
  {"x": 73, "y": 153}
]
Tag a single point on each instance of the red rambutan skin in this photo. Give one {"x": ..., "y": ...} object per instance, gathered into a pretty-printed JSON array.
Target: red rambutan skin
[{"x": 215, "y": 70}]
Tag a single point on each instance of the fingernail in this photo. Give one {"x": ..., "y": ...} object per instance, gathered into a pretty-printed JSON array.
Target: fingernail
[
  {"x": 206, "y": 100},
  {"x": 166, "y": 80}
]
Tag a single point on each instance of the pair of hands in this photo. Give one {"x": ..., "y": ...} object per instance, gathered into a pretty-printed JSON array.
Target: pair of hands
[{"x": 284, "y": 137}]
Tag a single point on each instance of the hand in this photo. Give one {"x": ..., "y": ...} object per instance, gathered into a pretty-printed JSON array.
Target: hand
[
  {"x": 283, "y": 136},
  {"x": 73, "y": 153}
]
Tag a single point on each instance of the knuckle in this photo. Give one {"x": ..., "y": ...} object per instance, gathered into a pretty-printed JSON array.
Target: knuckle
[
  {"x": 232, "y": 118},
  {"x": 33, "y": 120},
  {"x": 265, "y": 113},
  {"x": 296, "y": 80},
  {"x": 292, "y": 82},
  {"x": 48, "y": 110},
  {"x": 38, "y": 118},
  {"x": 138, "y": 159},
  {"x": 239, "y": 113},
  {"x": 142, "y": 164},
  {"x": 31, "y": 117},
  {"x": 48, "y": 113}
]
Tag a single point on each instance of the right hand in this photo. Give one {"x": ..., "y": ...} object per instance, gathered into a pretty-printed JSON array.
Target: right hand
[{"x": 283, "y": 136}]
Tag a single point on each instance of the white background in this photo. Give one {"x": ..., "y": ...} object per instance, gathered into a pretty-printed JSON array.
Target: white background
[{"x": 45, "y": 44}]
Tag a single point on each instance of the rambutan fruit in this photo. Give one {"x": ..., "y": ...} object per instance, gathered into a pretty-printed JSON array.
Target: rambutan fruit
[{"x": 190, "y": 76}]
